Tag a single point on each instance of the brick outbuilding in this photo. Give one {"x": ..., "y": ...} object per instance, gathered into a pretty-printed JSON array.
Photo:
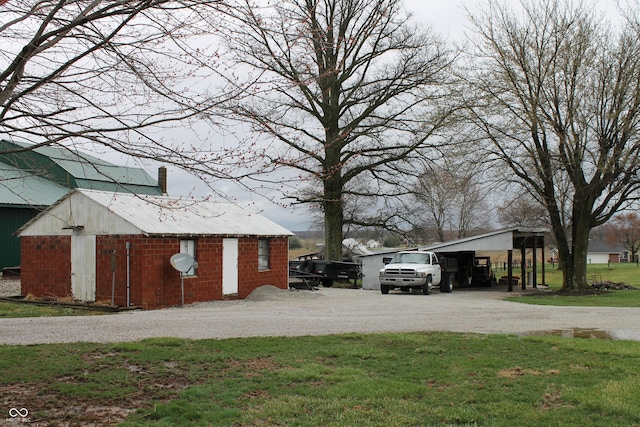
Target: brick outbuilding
[{"x": 104, "y": 246}]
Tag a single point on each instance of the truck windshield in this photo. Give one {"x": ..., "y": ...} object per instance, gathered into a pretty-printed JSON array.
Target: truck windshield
[{"x": 411, "y": 258}]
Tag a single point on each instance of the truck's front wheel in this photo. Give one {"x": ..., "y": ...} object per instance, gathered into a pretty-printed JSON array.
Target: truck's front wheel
[
  {"x": 426, "y": 288},
  {"x": 384, "y": 289}
]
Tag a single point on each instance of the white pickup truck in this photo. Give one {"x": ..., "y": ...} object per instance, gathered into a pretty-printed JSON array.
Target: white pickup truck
[{"x": 410, "y": 270}]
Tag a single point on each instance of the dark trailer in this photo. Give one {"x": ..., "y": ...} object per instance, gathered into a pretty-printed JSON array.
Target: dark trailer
[
  {"x": 463, "y": 269},
  {"x": 309, "y": 271}
]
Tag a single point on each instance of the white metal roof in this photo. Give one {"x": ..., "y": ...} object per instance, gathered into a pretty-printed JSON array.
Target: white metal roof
[
  {"x": 492, "y": 241},
  {"x": 499, "y": 240},
  {"x": 99, "y": 212}
]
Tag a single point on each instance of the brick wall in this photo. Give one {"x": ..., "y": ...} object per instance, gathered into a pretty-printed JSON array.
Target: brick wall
[
  {"x": 137, "y": 265},
  {"x": 46, "y": 266},
  {"x": 153, "y": 282},
  {"x": 207, "y": 285},
  {"x": 249, "y": 278}
]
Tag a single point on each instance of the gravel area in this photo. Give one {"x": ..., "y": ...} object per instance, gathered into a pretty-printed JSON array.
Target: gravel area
[
  {"x": 269, "y": 311},
  {"x": 9, "y": 287}
]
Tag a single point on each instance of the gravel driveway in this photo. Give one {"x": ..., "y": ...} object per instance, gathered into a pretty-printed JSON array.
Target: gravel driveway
[{"x": 274, "y": 312}]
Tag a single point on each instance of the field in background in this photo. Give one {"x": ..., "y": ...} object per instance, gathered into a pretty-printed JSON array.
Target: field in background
[{"x": 309, "y": 245}]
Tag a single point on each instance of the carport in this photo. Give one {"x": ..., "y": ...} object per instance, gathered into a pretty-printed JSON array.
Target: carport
[{"x": 509, "y": 240}]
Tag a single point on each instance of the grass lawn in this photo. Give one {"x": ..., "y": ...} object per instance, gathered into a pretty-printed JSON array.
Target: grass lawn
[
  {"x": 11, "y": 309},
  {"x": 627, "y": 273},
  {"x": 607, "y": 299},
  {"x": 414, "y": 379}
]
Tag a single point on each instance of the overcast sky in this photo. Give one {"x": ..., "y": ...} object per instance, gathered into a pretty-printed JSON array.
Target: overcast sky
[{"x": 447, "y": 17}]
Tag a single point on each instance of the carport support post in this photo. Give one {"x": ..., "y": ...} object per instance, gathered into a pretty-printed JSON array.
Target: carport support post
[
  {"x": 510, "y": 270},
  {"x": 534, "y": 276},
  {"x": 523, "y": 264},
  {"x": 544, "y": 280}
]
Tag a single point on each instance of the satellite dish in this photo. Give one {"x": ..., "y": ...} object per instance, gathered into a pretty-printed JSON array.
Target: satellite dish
[{"x": 182, "y": 262}]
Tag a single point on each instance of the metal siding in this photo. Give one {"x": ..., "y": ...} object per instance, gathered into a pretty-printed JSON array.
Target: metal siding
[
  {"x": 11, "y": 219},
  {"x": 78, "y": 210},
  {"x": 371, "y": 266},
  {"x": 498, "y": 242},
  {"x": 493, "y": 241}
]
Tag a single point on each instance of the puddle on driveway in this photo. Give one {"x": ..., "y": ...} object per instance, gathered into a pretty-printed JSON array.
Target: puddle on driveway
[{"x": 588, "y": 333}]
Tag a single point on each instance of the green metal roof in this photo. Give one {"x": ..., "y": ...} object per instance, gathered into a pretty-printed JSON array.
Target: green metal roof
[
  {"x": 18, "y": 187},
  {"x": 40, "y": 176}
]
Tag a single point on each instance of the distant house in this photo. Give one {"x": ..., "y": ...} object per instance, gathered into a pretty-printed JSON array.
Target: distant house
[
  {"x": 33, "y": 178},
  {"x": 373, "y": 244},
  {"x": 95, "y": 246},
  {"x": 602, "y": 252}
]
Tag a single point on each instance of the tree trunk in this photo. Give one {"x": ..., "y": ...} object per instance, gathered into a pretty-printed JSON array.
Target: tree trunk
[
  {"x": 333, "y": 220},
  {"x": 575, "y": 267},
  {"x": 332, "y": 197}
]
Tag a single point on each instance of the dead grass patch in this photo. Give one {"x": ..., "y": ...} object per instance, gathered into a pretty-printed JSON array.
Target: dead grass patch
[{"x": 517, "y": 371}]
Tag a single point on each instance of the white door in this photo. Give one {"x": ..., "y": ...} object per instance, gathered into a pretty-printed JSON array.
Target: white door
[
  {"x": 229, "y": 266},
  {"x": 83, "y": 267}
]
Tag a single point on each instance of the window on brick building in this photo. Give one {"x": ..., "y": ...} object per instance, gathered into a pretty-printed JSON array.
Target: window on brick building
[
  {"x": 189, "y": 247},
  {"x": 263, "y": 254}
]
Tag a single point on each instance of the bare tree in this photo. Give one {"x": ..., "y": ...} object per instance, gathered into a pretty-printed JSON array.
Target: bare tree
[
  {"x": 624, "y": 228},
  {"x": 521, "y": 210},
  {"x": 451, "y": 199},
  {"x": 557, "y": 97},
  {"x": 110, "y": 76},
  {"x": 472, "y": 208},
  {"x": 433, "y": 202},
  {"x": 347, "y": 91}
]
